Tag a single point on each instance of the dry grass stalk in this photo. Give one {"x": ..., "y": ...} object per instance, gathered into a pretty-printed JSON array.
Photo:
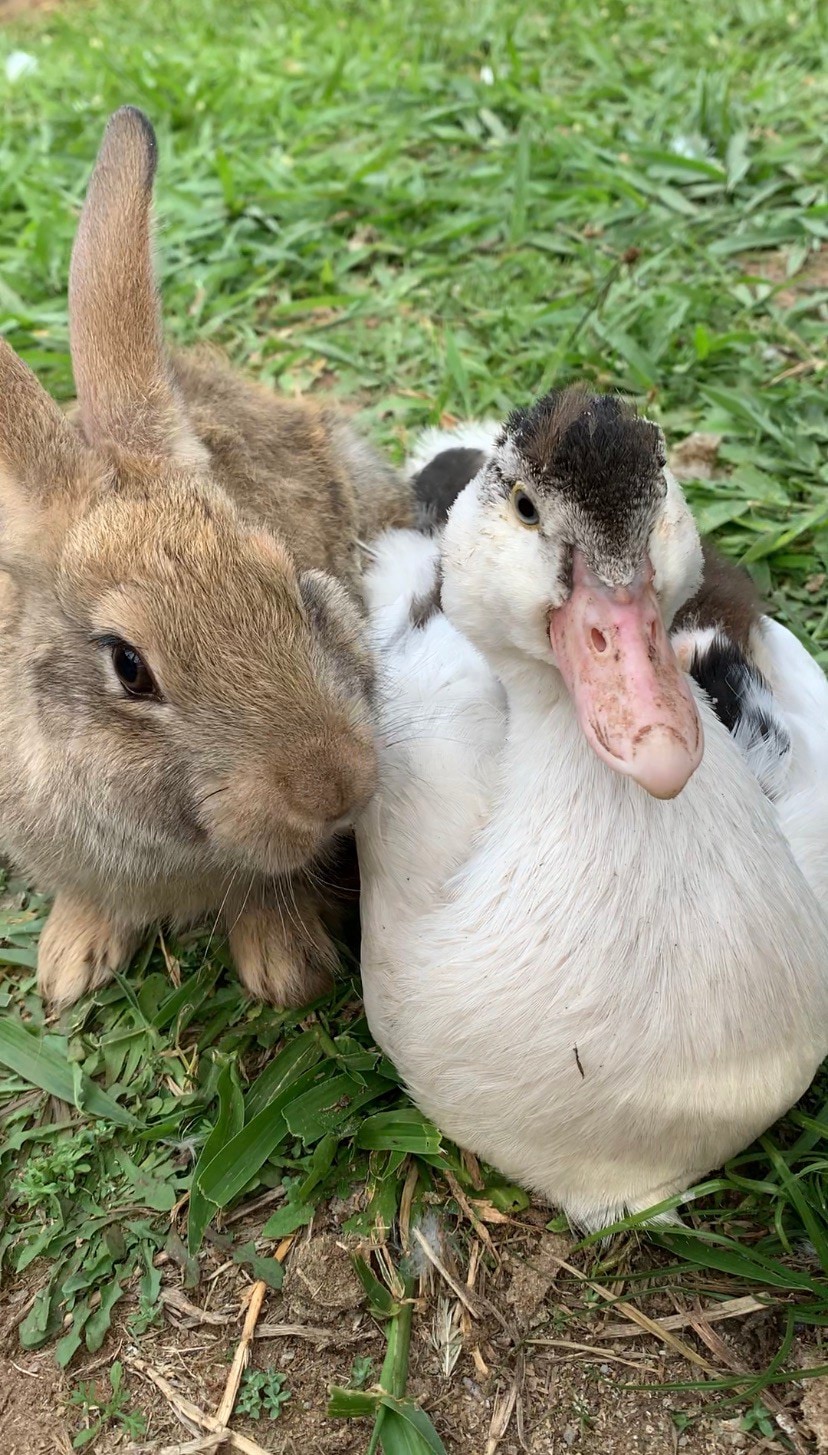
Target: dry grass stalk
[
  {"x": 597, "y": 1351},
  {"x": 504, "y": 1405},
  {"x": 406, "y": 1201},
  {"x": 175, "y": 1299},
  {"x": 313, "y": 1335},
  {"x": 242, "y": 1354},
  {"x": 723, "y": 1353},
  {"x": 456, "y": 1288},
  {"x": 199, "y": 1446},
  {"x": 635, "y": 1315},
  {"x": 730, "y": 1308},
  {"x": 190, "y": 1414},
  {"x": 473, "y": 1217}
]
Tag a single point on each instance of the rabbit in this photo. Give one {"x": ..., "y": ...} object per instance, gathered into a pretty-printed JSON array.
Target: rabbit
[{"x": 186, "y": 719}]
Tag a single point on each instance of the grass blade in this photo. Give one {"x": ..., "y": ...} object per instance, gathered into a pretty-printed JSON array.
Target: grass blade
[
  {"x": 39, "y": 1063},
  {"x": 330, "y": 1104},
  {"x": 239, "y": 1161},
  {"x": 228, "y": 1124},
  {"x": 407, "y": 1430},
  {"x": 814, "y": 1228},
  {"x": 298, "y": 1056},
  {"x": 402, "y": 1130}
]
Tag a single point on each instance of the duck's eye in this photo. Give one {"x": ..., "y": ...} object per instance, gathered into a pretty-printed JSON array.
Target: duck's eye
[
  {"x": 132, "y": 671},
  {"x": 524, "y": 507}
]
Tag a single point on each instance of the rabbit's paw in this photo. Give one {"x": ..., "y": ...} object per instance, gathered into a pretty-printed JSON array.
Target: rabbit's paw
[
  {"x": 283, "y": 952},
  {"x": 80, "y": 949}
]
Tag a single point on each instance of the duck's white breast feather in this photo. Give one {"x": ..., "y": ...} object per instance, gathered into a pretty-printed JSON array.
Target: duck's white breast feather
[{"x": 604, "y": 995}]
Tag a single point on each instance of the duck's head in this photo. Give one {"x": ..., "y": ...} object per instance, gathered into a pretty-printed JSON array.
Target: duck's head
[{"x": 573, "y": 546}]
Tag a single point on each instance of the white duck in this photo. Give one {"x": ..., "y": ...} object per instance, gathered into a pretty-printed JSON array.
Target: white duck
[{"x": 603, "y": 994}]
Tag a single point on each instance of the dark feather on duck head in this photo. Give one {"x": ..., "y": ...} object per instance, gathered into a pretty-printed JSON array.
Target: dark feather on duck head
[{"x": 602, "y": 464}]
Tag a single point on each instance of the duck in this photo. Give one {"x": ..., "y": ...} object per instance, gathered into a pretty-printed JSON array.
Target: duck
[{"x": 594, "y": 871}]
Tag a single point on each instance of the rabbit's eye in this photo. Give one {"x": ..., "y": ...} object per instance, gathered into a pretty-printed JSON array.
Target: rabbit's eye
[{"x": 132, "y": 671}]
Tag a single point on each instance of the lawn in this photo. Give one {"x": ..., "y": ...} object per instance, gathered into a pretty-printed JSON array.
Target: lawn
[{"x": 429, "y": 211}]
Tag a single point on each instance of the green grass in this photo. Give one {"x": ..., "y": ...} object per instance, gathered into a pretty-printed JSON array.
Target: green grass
[{"x": 428, "y": 208}]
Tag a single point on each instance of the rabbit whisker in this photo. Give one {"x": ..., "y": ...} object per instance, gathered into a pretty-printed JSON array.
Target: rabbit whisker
[
  {"x": 219, "y": 913},
  {"x": 212, "y": 794},
  {"x": 248, "y": 893},
  {"x": 295, "y": 918}
]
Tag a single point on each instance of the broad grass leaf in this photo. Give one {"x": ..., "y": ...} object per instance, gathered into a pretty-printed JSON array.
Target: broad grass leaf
[
  {"x": 349, "y": 1404},
  {"x": 85, "y": 1437},
  {"x": 269, "y": 1270},
  {"x": 9, "y": 955},
  {"x": 98, "y": 1323},
  {"x": 182, "y": 1004},
  {"x": 738, "y": 1260},
  {"x": 407, "y": 1430},
  {"x": 321, "y": 1162},
  {"x": 67, "y": 1347},
  {"x": 240, "y": 1160},
  {"x": 39, "y": 1064},
  {"x": 153, "y": 1192},
  {"x": 520, "y": 194},
  {"x": 457, "y": 371},
  {"x": 42, "y": 1318},
  {"x": 330, "y": 1104},
  {"x": 381, "y": 1299},
  {"x": 227, "y": 1125},
  {"x": 287, "y": 1220},
  {"x": 298, "y": 1056},
  {"x": 796, "y": 1193},
  {"x": 404, "y": 1129}
]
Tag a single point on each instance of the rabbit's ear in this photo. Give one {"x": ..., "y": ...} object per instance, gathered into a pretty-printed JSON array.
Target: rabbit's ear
[
  {"x": 42, "y": 460},
  {"x": 125, "y": 390}
]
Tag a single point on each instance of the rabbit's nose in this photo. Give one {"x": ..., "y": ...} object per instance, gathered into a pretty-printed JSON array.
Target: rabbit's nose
[{"x": 333, "y": 781}]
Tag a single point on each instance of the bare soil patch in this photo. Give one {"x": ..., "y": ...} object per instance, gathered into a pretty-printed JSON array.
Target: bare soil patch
[
  {"x": 10, "y": 9},
  {"x": 774, "y": 267},
  {"x": 32, "y": 1396},
  {"x": 535, "y": 1371}
]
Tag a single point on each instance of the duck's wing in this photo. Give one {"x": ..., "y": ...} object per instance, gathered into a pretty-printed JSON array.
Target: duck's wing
[
  {"x": 773, "y": 699},
  {"x": 761, "y": 682},
  {"x": 442, "y": 723},
  {"x": 443, "y": 462},
  {"x": 727, "y": 601},
  {"x": 742, "y": 700},
  {"x": 800, "y": 690},
  {"x": 800, "y": 695}
]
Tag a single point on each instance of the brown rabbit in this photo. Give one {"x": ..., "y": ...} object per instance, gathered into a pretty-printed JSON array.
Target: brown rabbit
[{"x": 185, "y": 692}]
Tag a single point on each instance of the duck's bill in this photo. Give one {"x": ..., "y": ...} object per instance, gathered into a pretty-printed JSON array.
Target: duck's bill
[{"x": 633, "y": 701}]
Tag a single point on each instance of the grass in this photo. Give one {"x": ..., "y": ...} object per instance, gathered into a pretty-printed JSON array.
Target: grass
[
  {"x": 102, "y": 1408},
  {"x": 430, "y": 208}
]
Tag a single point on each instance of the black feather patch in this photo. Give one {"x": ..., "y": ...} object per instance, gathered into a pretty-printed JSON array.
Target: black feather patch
[
  {"x": 742, "y": 700},
  {"x": 594, "y": 454},
  {"x": 439, "y": 483},
  {"x": 594, "y": 448},
  {"x": 727, "y": 677}
]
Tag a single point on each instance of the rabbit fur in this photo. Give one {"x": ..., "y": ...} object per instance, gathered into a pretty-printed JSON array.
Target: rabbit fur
[{"x": 186, "y": 718}]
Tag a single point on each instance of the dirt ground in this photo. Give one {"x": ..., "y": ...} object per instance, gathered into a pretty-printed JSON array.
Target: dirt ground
[
  {"x": 537, "y": 1365},
  {"x": 772, "y": 265},
  {"x": 11, "y": 8}
]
